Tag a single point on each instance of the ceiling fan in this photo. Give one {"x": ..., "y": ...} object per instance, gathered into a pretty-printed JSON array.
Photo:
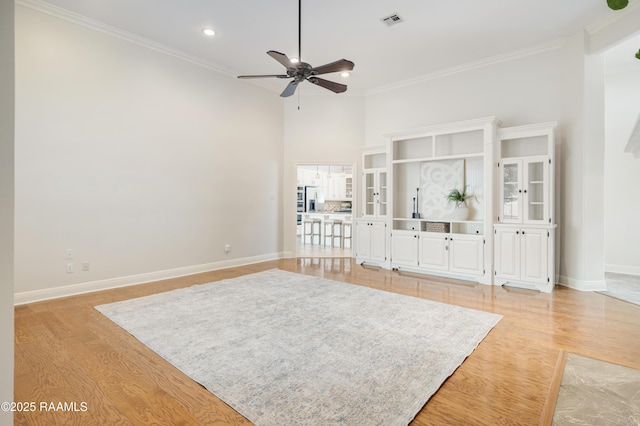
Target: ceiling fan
[{"x": 300, "y": 71}]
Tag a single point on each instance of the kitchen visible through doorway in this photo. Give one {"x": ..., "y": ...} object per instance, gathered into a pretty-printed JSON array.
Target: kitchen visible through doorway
[{"x": 325, "y": 196}]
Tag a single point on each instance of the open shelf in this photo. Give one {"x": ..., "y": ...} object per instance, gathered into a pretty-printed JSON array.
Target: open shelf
[
  {"x": 467, "y": 227},
  {"x": 458, "y": 144},
  {"x": 410, "y": 149}
]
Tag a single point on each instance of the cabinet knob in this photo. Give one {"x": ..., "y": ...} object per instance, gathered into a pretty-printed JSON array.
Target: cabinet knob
[
  {"x": 517, "y": 232},
  {"x": 522, "y": 232},
  {"x": 520, "y": 191},
  {"x": 525, "y": 191}
]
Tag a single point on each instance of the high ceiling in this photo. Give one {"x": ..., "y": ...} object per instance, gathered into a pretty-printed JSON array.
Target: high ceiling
[{"x": 433, "y": 35}]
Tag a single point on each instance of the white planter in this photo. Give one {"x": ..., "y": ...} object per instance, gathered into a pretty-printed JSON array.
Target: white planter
[{"x": 461, "y": 213}]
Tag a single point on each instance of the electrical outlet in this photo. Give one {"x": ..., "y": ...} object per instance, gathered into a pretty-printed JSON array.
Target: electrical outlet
[
  {"x": 227, "y": 248},
  {"x": 85, "y": 266},
  {"x": 69, "y": 268},
  {"x": 69, "y": 254}
]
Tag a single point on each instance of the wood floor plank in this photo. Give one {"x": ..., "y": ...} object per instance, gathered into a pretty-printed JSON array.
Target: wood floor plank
[{"x": 67, "y": 351}]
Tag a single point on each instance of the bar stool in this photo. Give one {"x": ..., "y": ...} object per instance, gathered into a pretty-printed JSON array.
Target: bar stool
[
  {"x": 328, "y": 232},
  {"x": 337, "y": 233},
  {"x": 308, "y": 225},
  {"x": 346, "y": 235},
  {"x": 316, "y": 231}
]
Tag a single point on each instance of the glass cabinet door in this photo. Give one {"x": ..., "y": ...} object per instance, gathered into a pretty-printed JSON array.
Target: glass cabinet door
[
  {"x": 382, "y": 194},
  {"x": 369, "y": 193},
  {"x": 375, "y": 193},
  {"x": 511, "y": 177},
  {"x": 524, "y": 192},
  {"x": 536, "y": 195}
]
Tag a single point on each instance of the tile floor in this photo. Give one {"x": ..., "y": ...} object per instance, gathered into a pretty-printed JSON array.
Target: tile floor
[
  {"x": 621, "y": 286},
  {"x": 597, "y": 393}
]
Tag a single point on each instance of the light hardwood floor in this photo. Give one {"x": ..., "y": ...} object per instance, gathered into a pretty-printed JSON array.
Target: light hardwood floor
[
  {"x": 320, "y": 250},
  {"x": 65, "y": 351}
]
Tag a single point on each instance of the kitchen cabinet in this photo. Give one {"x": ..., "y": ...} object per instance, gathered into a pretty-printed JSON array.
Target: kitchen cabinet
[
  {"x": 371, "y": 241},
  {"x": 337, "y": 187}
]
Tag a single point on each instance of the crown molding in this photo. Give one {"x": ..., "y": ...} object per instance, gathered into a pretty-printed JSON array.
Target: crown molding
[
  {"x": 612, "y": 18},
  {"x": 58, "y": 12},
  {"x": 55, "y": 11},
  {"x": 556, "y": 44}
]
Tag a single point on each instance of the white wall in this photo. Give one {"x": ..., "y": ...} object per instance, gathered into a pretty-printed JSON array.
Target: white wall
[
  {"x": 327, "y": 129},
  {"x": 144, "y": 164},
  {"x": 622, "y": 170},
  {"x": 547, "y": 86},
  {"x": 514, "y": 91},
  {"x": 6, "y": 203}
]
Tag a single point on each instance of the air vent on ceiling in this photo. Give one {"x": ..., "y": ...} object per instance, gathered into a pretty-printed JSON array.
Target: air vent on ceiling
[{"x": 392, "y": 19}]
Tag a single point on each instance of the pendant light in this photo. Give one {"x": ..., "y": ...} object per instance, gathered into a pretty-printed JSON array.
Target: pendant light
[
  {"x": 329, "y": 174},
  {"x": 317, "y": 173},
  {"x": 342, "y": 174}
]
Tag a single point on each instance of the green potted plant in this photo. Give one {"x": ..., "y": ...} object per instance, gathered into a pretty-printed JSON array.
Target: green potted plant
[{"x": 460, "y": 199}]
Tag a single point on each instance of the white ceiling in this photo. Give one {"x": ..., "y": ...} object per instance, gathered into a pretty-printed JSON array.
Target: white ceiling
[{"x": 434, "y": 35}]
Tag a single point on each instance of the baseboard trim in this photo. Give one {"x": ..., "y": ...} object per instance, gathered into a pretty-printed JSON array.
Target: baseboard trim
[
  {"x": 593, "y": 285},
  {"x": 287, "y": 255},
  {"x": 111, "y": 283},
  {"x": 622, "y": 269}
]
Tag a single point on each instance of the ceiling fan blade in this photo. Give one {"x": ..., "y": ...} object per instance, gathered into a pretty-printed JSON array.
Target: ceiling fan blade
[
  {"x": 264, "y": 76},
  {"x": 333, "y": 86},
  {"x": 281, "y": 57},
  {"x": 340, "y": 65},
  {"x": 290, "y": 89}
]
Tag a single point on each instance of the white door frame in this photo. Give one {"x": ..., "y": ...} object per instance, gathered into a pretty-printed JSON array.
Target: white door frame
[{"x": 354, "y": 197}]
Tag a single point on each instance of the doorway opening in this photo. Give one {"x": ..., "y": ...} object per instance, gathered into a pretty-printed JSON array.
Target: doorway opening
[{"x": 325, "y": 197}]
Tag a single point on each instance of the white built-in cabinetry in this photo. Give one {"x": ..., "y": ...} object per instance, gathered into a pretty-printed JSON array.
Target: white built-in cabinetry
[
  {"x": 524, "y": 230},
  {"x": 371, "y": 237},
  {"x": 407, "y": 223},
  {"x": 371, "y": 228},
  {"x": 426, "y": 233}
]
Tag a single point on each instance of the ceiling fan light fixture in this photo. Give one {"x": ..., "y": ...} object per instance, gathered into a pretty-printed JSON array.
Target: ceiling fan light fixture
[
  {"x": 299, "y": 71},
  {"x": 345, "y": 74},
  {"x": 208, "y": 32}
]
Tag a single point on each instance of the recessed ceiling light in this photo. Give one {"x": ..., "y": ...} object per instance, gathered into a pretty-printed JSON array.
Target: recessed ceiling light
[
  {"x": 208, "y": 32},
  {"x": 345, "y": 74}
]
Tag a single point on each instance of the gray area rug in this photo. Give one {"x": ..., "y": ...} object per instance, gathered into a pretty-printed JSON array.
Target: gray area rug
[
  {"x": 594, "y": 392},
  {"x": 623, "y": 287},
  {"x": 285, "y": 348}
]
